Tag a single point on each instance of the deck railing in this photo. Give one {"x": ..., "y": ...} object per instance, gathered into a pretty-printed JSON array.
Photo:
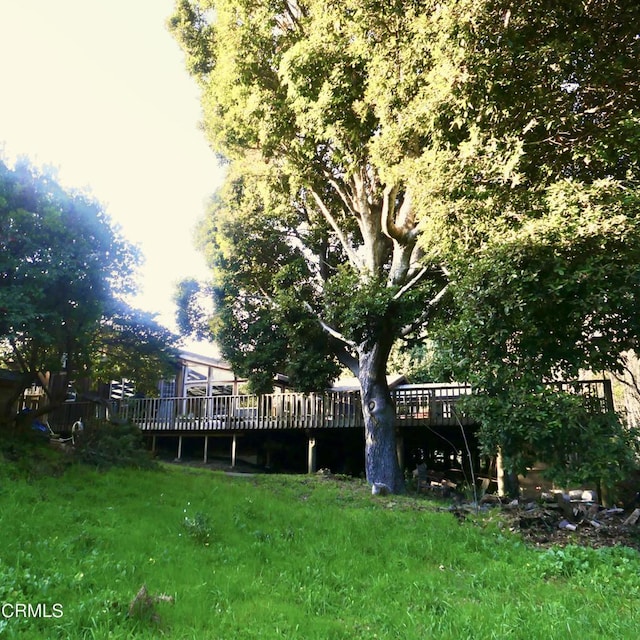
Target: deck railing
[
  {"x": 240, "y": 412},
  {"x": 415, "y": 405},
  {"x": 433, "y": 404}
]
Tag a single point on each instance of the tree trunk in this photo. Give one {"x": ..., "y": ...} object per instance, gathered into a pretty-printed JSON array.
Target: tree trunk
[{"x": 381, "y": 459}]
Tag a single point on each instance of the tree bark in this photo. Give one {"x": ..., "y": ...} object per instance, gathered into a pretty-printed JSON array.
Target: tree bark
[{"x": 381, "y": 459}]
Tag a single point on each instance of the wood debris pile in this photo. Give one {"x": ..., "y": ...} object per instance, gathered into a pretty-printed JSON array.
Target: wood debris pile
[{"x": 559, "y": 519}]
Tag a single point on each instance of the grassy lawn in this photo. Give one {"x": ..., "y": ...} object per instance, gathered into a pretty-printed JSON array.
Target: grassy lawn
[{"x": 286, "y": 557}]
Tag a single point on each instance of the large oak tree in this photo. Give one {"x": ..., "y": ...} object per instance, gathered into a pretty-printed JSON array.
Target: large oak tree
[
  {"x": 314, "y": 246},
  {"x": 377, "y": 149}
]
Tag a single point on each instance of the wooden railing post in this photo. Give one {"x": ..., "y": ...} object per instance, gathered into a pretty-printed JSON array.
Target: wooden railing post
[{"x": 608, "y": 395}]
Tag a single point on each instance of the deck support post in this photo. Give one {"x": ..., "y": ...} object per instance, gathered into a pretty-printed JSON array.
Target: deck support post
[
  {"x": 234, "y": 449},
  {"x": 267, "y": 454},
  {"x": 311, "y": 455},
  {"x": 206, "y": 449},
  {"x": 153, "y": 445},
  {"x": 400, "y": 450},
  {"x": 179, "y": 448}
]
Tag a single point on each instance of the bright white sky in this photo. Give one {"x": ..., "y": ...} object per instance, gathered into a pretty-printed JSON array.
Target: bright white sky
[{"x": 98, "y": 89}]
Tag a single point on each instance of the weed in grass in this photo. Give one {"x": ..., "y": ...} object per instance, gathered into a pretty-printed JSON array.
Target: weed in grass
[
  {"x": 198, "y": 527},
  {"x": 598, "y": 569},
  {"x": 143, "y": 608}
]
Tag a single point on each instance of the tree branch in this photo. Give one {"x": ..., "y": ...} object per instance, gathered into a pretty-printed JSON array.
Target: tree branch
[
  {"x": 345, "y": 357},
  {"x": 411, "y": 283},
  {"x": 339, "y": 343},
  {"x": 346, "y": 198},
  {"x": 294, "y": 12},
  {"x": 351, "y": 254},
  {"x": 334, "y": 333},
  {"x": 400, "y": 227},
  {"x": 388, "y": 212},
  {"x": 425, "y": 314}
]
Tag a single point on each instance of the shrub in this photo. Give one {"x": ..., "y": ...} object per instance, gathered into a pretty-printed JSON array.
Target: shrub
[
  {"x": 579, "y": 444},
  {"x": 30, "y": 456},
  {"x": 104, "y": 444}
]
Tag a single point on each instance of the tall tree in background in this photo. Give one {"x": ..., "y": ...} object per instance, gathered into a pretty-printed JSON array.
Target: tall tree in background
[
  {"x": 130, "y": 344},
  {"x": 62, "y": 266},
  {"x": 379, "y": 151}
]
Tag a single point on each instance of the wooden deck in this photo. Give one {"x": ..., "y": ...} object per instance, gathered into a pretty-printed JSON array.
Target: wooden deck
[
  {"x": 416, "y": 405},
  {"x": 422, "y": 411},
  {"x": 425, "y": 405}
]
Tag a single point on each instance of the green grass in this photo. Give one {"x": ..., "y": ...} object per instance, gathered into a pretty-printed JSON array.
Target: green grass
[{"x": 288, "y": 557}]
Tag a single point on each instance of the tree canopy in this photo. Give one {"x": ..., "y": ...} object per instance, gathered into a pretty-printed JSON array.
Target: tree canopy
[
  {"x": 392, "y": 162},
  {"x": 536, "y": 207},
  {"x": 62, "y": 267}
]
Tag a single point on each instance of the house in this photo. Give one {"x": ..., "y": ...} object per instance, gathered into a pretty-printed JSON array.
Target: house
[{"x": 201, "y": 375}]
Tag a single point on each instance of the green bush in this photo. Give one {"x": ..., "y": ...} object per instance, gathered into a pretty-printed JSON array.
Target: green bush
[
  {"x": 28, "y": 455},
  {"x": 578, "y": 444},
  {"x": 103, "y": 445}
]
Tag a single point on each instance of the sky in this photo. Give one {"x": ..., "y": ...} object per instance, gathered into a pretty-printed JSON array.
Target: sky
[{"x": 98, "y": 90}]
